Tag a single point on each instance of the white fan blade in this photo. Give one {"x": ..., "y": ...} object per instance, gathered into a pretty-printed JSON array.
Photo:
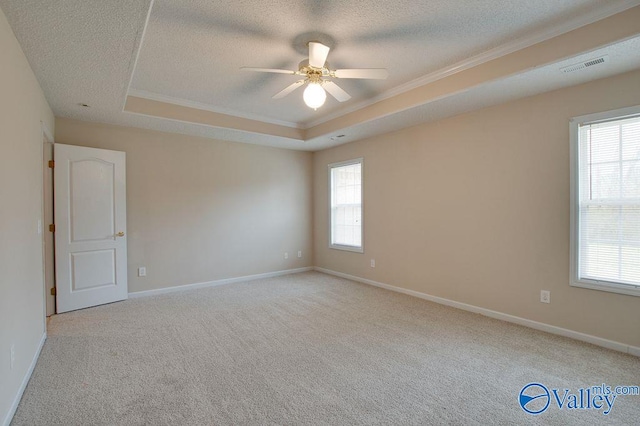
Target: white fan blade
[
  {"x": 268, "y": 70},
  {"x": 318, "y": 53},
  {"x": 288, "y": 89},
  {"x": 372, "y": 73},
  {"x": 336, "y": 91}
]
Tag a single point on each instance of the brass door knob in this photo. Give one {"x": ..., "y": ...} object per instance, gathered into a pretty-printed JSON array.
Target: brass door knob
[{"x": 120, "y": 234}]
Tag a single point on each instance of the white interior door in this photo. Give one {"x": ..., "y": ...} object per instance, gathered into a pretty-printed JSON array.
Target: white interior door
[{"x": 90, "y": 219}]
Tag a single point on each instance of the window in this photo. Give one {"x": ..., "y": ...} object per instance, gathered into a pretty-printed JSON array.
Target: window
[
  {"x": 345, "y": 187},
  {"x": 605, "y": 207}
]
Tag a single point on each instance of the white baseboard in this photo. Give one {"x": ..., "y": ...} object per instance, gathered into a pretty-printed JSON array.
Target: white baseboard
[
  {"x": 25, "y": 381},
  {"x": 599, "y": 341},
  {"x": 216, "y": 283}
]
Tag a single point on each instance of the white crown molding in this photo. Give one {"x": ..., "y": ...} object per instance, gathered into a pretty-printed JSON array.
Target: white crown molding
[
  {"x": 206, "y": 107},
  {"x": 134, "y": 64},
  {"x": 206, "y": 126},
  {"x": 185, "y": 102},
  {"x": 609, "y": 9}
]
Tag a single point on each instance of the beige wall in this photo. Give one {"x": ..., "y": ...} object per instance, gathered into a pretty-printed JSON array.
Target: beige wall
[
  {"x": 200, "y": 210},
  {"x": 475, "y": 209},
  {"x": 22, "y": 108}
]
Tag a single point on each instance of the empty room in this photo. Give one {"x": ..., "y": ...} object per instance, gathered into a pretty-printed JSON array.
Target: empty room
[{"x": 319, "y": 212}]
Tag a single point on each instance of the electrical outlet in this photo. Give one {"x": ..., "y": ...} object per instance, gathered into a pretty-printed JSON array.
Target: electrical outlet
[
  {"x": 373, "y": 263},
  {"x": 545, "y": 296},
  {"x": 13, "y": 355},
  {"x": 142, "y": 271},
  {"x": 286, "y": 255},
  {"x": 299, "y": 253}
]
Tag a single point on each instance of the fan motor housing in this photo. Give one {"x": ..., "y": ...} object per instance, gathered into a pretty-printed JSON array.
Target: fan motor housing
[{"x": 312, "y": 72}]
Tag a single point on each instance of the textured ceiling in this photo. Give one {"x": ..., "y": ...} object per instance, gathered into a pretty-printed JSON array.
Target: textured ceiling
[
  {"x": 189, "y": 53},
  {"x": 193, "y": 49},
  {"x": 621, "y": 57},
  {"x": 82, "y": 51}
]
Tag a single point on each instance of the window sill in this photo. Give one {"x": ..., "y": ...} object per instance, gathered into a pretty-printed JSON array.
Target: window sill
[
  {"x": 627, "y": 289},
  {"x": 347, "y": 248}
]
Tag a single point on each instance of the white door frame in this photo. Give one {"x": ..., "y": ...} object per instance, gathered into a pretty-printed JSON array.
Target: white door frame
[{"x": 47, "y": 200}]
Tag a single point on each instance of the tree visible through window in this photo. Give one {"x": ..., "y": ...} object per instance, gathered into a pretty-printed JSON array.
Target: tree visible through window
[
  {"x": 606, "y": 219},
  {"x": 345, "y": 182}
]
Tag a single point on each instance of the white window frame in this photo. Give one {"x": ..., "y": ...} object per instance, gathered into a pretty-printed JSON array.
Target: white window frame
[
  {"x": 340, "y": 246},
  {"x": 574, "y": 125}
]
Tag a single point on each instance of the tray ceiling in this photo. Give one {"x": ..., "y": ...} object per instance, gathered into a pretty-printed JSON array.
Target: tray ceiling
[{"x": 179, "y": 62}]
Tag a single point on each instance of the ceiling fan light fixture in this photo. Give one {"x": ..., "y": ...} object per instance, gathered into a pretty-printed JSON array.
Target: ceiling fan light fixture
[
  {"x": 314, "y": 70},
  {"x": 314, "y": 95}
]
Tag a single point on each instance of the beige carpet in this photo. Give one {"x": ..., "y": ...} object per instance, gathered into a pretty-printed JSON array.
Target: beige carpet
[{"x": 306, "y": 349}]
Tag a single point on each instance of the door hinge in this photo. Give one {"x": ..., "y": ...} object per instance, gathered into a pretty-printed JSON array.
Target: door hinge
[
  {"x": 52, "y": 228},
  {"x": 52, "y": 164},
  {"x": 53, "y": 291}
]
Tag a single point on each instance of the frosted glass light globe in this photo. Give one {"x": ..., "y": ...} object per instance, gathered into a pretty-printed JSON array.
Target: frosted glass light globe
[{"x": 314, "y": 95}]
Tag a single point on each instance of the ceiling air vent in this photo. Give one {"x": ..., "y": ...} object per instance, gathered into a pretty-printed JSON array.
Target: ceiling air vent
[{"x": 585, "y": 64}]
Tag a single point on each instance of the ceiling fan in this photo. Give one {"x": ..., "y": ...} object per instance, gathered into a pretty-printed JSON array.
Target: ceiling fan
[{"x": 316, "y": 73}]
